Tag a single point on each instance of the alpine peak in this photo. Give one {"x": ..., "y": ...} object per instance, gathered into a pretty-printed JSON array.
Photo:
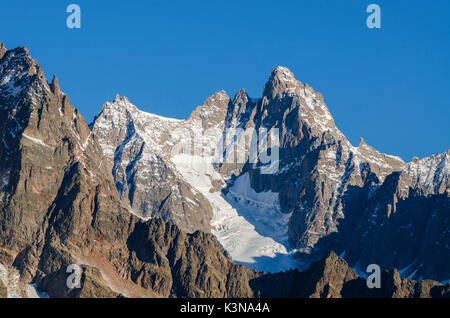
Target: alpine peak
[
  {"x": 281, "y": 82},
  {"x": 240, "y": 95},
  {"x": 119, "y": 98},
  {"x": 220, "y": 96},
  {"x": 362, "y": 142},
  {"x": 54, "y": 85},
  {"x": 282, "y": 72}
]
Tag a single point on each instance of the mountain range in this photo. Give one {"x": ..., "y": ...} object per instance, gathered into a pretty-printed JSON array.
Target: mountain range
[{"x": 159, "y": 207}]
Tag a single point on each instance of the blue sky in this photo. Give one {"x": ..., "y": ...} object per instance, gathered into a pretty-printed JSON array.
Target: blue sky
[{"x": 390, "y": 86}]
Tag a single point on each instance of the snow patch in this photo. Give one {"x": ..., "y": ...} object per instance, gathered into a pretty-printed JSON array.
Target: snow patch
[
  {"x": 33, "y": 292},
  {"x": 248, "y": 224},
  {"x": 11, "y": 281},
  {"x": 242, "y": 191},
  {"x": 37, "y": 141},
  {"x": 4, "y": 179}
]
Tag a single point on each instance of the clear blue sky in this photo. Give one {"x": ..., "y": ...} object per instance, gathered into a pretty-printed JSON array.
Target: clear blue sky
[{"x": 390, "y": 86}]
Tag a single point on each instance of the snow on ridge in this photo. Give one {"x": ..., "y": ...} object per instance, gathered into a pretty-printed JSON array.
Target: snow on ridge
[
  {"x": 9, "y": 82},
  {"x": 17, "y": 67},
  {"x": 429, "y": 171},
  {"x": 248, "y": 224},
  {"x": 221, "y": 96},
  {"x": 285, "y": 74},
  {"x": 123, "y": 102},
  {"x": 37, "y": 141},
  {"x": 17, "y": 289}
]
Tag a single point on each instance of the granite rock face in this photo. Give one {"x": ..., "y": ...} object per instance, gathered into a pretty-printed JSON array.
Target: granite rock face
[
  {"x": 372, "y": 206},
  {"x": 331, "y": 277},
  {"x": 137, "y": 225},
  {"x": 56, "y": 186},
  {"x": 60, "y": 206},
  {"x": 148, "y": 184}
]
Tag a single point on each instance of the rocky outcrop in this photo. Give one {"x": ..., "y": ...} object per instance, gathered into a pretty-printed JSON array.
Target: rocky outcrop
[
  {"x": 331, "y": 277},
  {"x": 139, "y": 145},
  {"x": 185, "y": 265},
  {"x": 62, "y": 202},
  {"x": 3, "y": 291}
]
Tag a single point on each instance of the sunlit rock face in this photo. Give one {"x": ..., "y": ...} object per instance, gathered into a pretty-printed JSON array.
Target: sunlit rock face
[
  {"x": 155, "y": 207},
  {"x": 329, "y": 193}
]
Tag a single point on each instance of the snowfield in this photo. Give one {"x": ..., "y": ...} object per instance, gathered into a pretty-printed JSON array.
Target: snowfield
[
  {"x": 16, "y": 289},
  {"x": 249, "y": 225}
]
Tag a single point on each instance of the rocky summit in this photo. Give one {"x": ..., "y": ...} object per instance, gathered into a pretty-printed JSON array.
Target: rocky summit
[{"x": 148, "y": 206}]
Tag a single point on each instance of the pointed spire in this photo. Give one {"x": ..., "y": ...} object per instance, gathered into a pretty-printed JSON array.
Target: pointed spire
[
  {"x": 281, "y": 81},
  {"x": 54, "y": 86},
  {"x": 240, "y": 95},
  {"x": 240, "y": 101},
  {"x": 2, "y": 50},
  {"x": 119, "y": 98},
  {"x": 220, "y": 99},
  {"x": 362, "y": 142}
]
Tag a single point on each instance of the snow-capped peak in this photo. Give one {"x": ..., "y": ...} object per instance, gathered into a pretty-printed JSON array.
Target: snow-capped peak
[
  {"x": 122, "y": 99},
  {"x": 221, "y": 96},
  {"x": 121, "y": 102},
  {"x": 430, "y": 173},
  {"x": 20, "y": 74},
  {"x": 283, "y": 74},
  {"x": 219, "y": 99},
  {"x": 281, "y": 82}
]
